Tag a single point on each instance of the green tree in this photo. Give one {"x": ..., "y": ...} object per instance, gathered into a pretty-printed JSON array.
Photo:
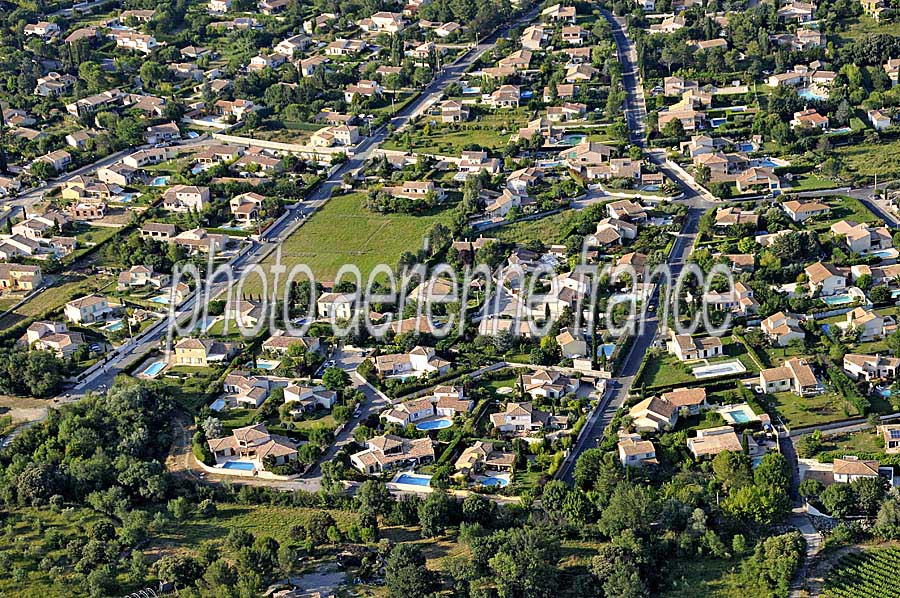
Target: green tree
[
  {"x": 405, "y": 573},
  {"x": 335, "y": 379},
  {"x": 434, "y": 514}
]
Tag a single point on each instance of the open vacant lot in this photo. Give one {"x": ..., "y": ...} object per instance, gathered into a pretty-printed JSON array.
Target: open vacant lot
[{"x": 344, "y": 232}]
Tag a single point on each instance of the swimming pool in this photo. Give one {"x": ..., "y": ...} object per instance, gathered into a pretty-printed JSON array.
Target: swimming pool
[
  {"x": 239, "y": 465},
  {"x": 606, "y": 350},
  {"x": 717, "y": 122},
  {"x": 218, "y": 405},
  {"x": 572, "y": 139},
  {"x": 434, "y": 424},
  {"x": 719, "y": 369},
  {"x": 766, "y": 163},
  {"x": 413, "y": 479},
  {"x": 884, "y": 254},
  {"x": 884, "y": 393},
  {"x": 265, "y": 364},
  {"x": 161, "y": 299},
  {"x": 745, "y": 147},
  {"x": 808, "y": 94},
  {"x": 837, "y": 300},
  {"x": 738, "y": 417},
  {"x": 154, "y": 368},
  {"x": 492, "y": 481},
  {"x": 159, "y": 181},
  {"x": 115, "y": 325}
]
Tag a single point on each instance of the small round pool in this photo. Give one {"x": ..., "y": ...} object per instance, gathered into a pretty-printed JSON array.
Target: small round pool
[
  {"x": 492, "y": 481},
  {"x": 434, "y": 424}
]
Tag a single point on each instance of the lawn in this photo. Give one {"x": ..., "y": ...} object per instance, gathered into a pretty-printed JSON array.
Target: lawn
[
  {"x": 865, "y": 441},
  {"x": 490, "y": 131},
  {"x": 344, "y": 232},
  {"x": 54, "y": 297},
  {"x": 843, "y": 208},
  {"x": 810, "y": 183},
  {"x": 869, "y": 159},
  {"x": 551, "y": 229},
  {"x": 799, "y": 412},
  {"x": 865, "y": 26},
  {"x": 663, "y": 369}
]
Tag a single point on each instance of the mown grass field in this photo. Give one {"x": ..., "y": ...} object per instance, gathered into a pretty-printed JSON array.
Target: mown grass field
[{"x": 344, "y": 232}]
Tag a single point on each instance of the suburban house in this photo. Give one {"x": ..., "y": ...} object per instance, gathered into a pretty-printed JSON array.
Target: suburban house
[
  {"x": 549, "y": 384},
  {"x": 185, "y": 198},
  {"x": 634, "y": 452},
  {"x": 862, "y": 238},
  {"x": 571, "y": 343},
  {"x": 54, "y": 337},
  {"x": 868, "y": 324},
  {"x": 524, "y": 418},
  {"x": 200, "y": 353},
  {"x": 825, "y": 279},
  {"x": 739, "y": 300},
  {"x": 851, "y": 468},
  {"x": 454, "y": 112},
  {"x": 712, "y": 441},
  {"x": 255, "y": 444},
  {"x": 481, "y": 457},
  {"x": 246, "y": 390},
  {"x": 282, "y": 343},
  {"x": 879, "y": 120},
  {"x": 140, "y": 276},
  {"x": 310, "y": 398},
  {"x": 871, "y": 367},
  {"x": 689, "y": 400},
  {"x": 653, "y": 414},
  {"x": 159, "y": 231},
  {"x": 611, "y": 231},
  {"x": 625, "y": 209},
  {"x": 891, "y": 435},
  {"x": 685, "y": 347},
  {"x": 781, "y": 329},
  {"x": 418, "y": 362},
  {"x": 733, "y": 216},
  {"x": 87, "y": 310},
  {"x": 245, "y": 207},
  {"x": 19, "y": 277},
  {"x": 795, "y": 376},
  {"x": 335, "y": 306},
  {"x": 800, "y": 211},
  {"x": 384, "y": 453},
  {"x": 809, "y": 118},
  {"x": 409, "y": 412}
]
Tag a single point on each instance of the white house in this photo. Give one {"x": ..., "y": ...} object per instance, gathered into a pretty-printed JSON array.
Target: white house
[
  {"x": 871, "y": 367},
  {"x": 795, "y": 376}
]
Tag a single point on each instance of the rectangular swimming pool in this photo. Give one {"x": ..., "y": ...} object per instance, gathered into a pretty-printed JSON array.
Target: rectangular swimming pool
[
  {"x": 240, "y": 465},
  {"x": 413, "y": 479}
]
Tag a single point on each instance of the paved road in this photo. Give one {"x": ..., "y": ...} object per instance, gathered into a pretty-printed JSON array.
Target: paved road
[
  {"x": 101, "y": 376},
  {"x": 635, "y": 106},
  {"x": 648, "y": 324}
]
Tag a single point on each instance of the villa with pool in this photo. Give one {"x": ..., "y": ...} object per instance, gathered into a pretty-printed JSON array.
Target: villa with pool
[
  {"x": 482, "y": 463},
  {"x": 248, "y": 449},
  {"x": 389, "y": 452},
  {"x": 430, "y": 413}
]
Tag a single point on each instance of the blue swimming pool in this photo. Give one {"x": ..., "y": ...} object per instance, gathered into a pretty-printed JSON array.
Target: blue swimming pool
[
  {"x": 434, "y": 424},
  {"x": 154, "y": 368},
  {"x": 159, "y": 181},
  {"x": 745, "y": 147},
  {"x": 717, "y": 122},
  {"x": 113, "y": 326},
  {"x": 218, "y": 405},
  {"x": 808, "y": 94},
  {"x": 414, "y": 479},
  {"x": 572, "y": 139},
  {"x": 161, "y": 299},
  {"x": 492, "y": 481},
  {"x": 738, "y": 416},
  {"x": 240, "y": 465},
  {"x": 837, "y": 300},
  {"x": 606, "y": 350}
]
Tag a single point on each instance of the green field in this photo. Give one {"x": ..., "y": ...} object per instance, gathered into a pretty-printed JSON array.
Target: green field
[
  {"x": 810, "y": 411},
  {"x": 869, "y": 159},
  {"x": 344, "y": 232},
  {"x": 550, "y": 229},
  {"x": 490, "y": 131}
]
